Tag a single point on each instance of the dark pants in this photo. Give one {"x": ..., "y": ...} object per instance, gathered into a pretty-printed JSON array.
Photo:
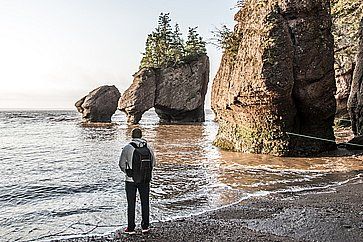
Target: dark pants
[{"x": 144, "y": 191}]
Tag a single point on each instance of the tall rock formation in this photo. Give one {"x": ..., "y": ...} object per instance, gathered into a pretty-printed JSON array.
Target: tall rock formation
[
  {"x": 99, "y": 105},
  {"x": 343, "y": 83},
  {"x": 177, "y": 93},
  {"x": 355, "y": 101},
  {"x": 280, "y": 83}
]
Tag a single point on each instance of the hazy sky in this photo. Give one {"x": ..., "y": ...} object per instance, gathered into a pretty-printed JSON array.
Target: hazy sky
[{"x": 53, "y": 52}]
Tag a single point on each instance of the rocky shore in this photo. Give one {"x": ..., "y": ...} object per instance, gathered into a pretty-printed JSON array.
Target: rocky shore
[{"x": 329, "y": 214}]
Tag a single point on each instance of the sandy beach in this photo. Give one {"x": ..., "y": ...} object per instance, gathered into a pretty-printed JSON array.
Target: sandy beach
[{"x": 329, "y": 214}]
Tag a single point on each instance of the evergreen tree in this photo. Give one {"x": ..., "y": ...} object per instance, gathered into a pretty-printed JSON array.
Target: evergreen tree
[
  {"x": 195, "y": 46},
  {"x": 346, "y": 16},
  {"x": 148, "y": 56},
  {"x": 163, "y": 39},
  {"x": 226, "y": 39},
  {"x": 165, "y": 47},
  {"x": 177, "y": 47}
]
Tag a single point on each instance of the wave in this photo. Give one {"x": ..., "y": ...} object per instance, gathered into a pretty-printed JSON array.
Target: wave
[{"x": 316, "y": 189}]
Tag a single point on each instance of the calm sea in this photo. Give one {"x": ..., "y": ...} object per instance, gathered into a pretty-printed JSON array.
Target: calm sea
[{"x": 60, "y": 178}]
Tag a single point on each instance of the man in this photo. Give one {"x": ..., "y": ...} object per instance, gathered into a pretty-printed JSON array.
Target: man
[{"x": 134, "y": 158}]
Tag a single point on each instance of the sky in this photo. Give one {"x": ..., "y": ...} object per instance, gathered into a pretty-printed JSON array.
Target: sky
[{"x": 54, "y": 52}]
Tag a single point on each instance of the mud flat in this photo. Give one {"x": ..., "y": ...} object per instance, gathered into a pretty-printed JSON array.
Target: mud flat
[{"x": 328, "y": 214}]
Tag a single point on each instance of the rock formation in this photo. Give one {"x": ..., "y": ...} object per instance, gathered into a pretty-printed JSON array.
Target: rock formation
[
  {"x": 177, "y": 93},
  {"x": 355, "y": 101},
  {"x": 343, "y": 83},
  {"x": 140, "y": 96},
  {"x": 279, "y": 86},
  {"x": 354, "y": 144},
  {"x": 99, "y": 105}
]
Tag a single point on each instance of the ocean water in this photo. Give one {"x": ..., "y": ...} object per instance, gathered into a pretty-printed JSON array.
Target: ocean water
[{"x": 60, "y": 178}]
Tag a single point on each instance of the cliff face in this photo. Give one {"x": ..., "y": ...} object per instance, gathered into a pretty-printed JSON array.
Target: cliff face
[
  {"x": 355, "y": 101},
  {"x": 99, "y": 105},
  {"x": 343, "y": 83},
  {"x": 280, "y": 81},
  {"x": 177, "y": 93}
]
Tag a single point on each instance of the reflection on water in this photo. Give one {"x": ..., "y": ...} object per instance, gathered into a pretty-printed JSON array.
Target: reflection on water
[
  {"x": 61, "y": 178},
  {"x": 260, "y": 172}
]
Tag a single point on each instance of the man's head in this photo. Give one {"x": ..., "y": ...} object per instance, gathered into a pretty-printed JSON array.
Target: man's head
[{"x": 136, "y": 133}]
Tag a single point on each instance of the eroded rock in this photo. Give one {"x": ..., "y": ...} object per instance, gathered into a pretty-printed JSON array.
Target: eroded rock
[
  {"x": 355, "y": 144},
  {"x": 355, "y": 101},
  {"x": 140, "y": 96},
  {"x": 343, "y": 82},
  {"x": 280, "y": 83},
  {"x": 99, "y": 105},
  {"x": 177, "y": 93}
]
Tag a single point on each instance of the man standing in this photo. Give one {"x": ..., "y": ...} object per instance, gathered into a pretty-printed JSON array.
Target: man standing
[{"x": 137, "y": 161}]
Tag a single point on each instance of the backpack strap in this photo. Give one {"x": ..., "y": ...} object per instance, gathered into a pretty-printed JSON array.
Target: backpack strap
[{"x": 133, "y": 145}]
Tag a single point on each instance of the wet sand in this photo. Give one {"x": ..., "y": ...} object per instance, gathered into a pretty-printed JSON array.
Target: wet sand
[{"x": 331, "y": 214}]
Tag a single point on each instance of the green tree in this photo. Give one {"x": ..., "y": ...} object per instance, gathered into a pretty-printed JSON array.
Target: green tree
[
  {"x": 177, "y": 47},
  {"x": 195, "y": 46},
  {"x": 227, "y": 40},
  {"x": 163, "y": 38},
  {"x": 165, "y": 45},
  {"x": 148, "y": 56},
  {"x": 346, "y": 16}
]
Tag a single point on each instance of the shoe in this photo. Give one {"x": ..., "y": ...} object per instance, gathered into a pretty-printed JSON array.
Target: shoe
[
  {"x": 118, "y": 234},
  {"x": 144, "y": 231},
  {"x": 129, "y": 231}
]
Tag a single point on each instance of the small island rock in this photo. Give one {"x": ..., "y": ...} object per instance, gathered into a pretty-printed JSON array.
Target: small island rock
[
  {"x": 99, "y": 105},
  {"x": 177, "y": 93}
]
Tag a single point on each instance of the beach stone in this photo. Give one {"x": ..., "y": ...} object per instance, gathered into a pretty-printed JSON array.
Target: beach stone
[
  {"x": 99, "y": 105},
  {"x": 177, "y": 93},
  {"x": 279, "y": 83},
  {"x": 355, "y": 101}
]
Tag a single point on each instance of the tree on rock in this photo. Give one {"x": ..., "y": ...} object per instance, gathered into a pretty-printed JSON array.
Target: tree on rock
[
  {"x": 177, "y": 51},
  {"x": 228, "y": 40},
  {"x": 165, "y": 46},
  {"x": 149, "y": 54},
  {"x": 346, "y": 15},
  {"x": 158, "y": 44},
  {"x": 195, "y": 46}
]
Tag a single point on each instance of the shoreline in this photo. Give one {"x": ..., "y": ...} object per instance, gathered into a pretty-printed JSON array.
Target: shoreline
[{"x": 333, "y": 213}]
